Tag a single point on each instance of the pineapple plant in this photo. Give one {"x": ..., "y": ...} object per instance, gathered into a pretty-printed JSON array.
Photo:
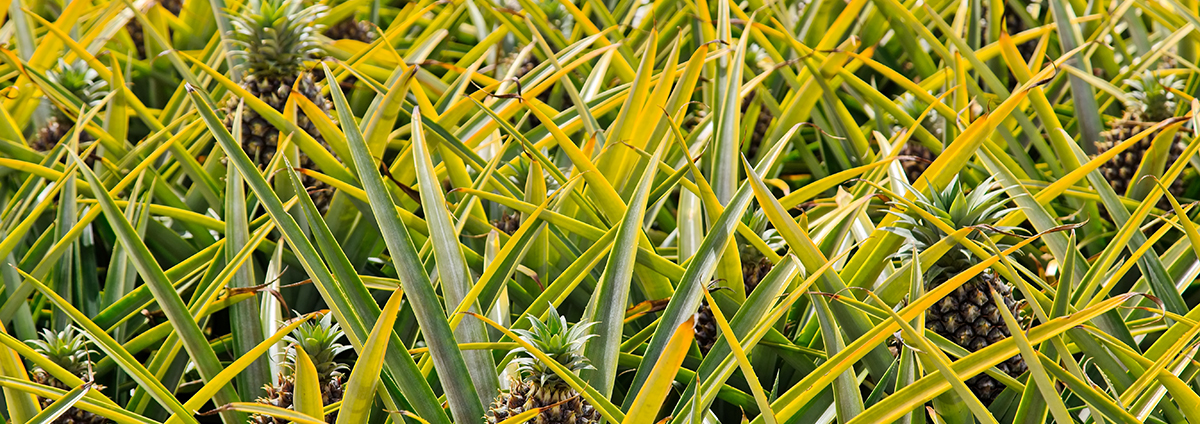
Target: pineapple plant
[
  {"x": 68, "y": 349},
  {"x": 536, "y": 385},
  {"x": 84, "y": 84},
  {"x": 276, "y": 38},
  {"x": 320, "y": 341},
  {"x": 1150, "y": 103},
  {"x": 968, "y": 316}
]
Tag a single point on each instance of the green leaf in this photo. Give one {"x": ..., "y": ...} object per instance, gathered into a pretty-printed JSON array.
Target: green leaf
[
  {"x": 60, "y": 406},
  {"x": 306, "y": 397},
  {"x": 410, "y": 383},
  {"x": 612, "y": 295},
  {"x": 164, "y": 292},
  {"x": 451, "y": 266},
  {"x": 360, "y": 389},
  {"x": 464, "y": 400}
]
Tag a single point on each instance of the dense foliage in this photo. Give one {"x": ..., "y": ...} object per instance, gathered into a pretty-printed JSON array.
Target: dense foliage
[{"x": 584, "y": 211}]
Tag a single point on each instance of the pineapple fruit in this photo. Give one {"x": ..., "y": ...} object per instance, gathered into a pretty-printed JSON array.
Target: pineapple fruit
[
  {"x": 351, "y": 29},
  {"x": 968, "y": 316},
  {"x": 1150, "y": 102},
  {"x": 762, "y": 122},
  {"x": 755, "y": 266},
  {"x": 82, "y": 82},
  {"x": 320, "y": 341},
  {"x": 509, "y": 222},
  {"x": 68, "y": 349},
  {"x": 921, "y": 156},
  {"x": 538, "y": 386},
  {"x": 276, "y": 37},
  {"x": 134, "y": 27}
]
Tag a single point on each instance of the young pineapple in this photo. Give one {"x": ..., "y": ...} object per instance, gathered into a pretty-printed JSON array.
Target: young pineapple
[
  {"x": 762, "y": 122},
  {"x": 1150, "y": 102},
  {"x": 134, "y": 27},
  {"x": 755, "y": 266},
  {"x": 538, "y": 385},
  {"x": 67, "y": 349},
  {"x": 351, "y": 29},
  {"x": 82, "y": 82},
  {"x": 509, "y": 222},
  {"x": 276, "y": 37},
  {"x": 967, "y": 316},
  {"x": 320, "y": 341}
]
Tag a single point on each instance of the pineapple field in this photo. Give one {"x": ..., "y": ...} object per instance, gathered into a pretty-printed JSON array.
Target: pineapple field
[{"x": 599, "y": 211}]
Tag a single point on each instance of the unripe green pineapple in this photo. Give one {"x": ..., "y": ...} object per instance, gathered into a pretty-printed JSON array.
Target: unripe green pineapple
[
  {"x": 320, "y": 341},
  {"x": 82, "y": 82},
  {"x": 755, "y": 266},
  {"x": 538, "y": 385},
  {"x": 276, "y": 37},
  {"x": 68, "y": 349},
  {"x": 1150, "y": 103},
  {"x": 968, "y": 316}
]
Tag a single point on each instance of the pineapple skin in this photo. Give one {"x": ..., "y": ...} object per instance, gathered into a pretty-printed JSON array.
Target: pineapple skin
[
  {"x": 134, "y": 27},
  {"x": 913, "y": 168},
  {"x": 55, "y": 129},
  {"x": 705, "y": 326},
  {"x": 71, "y": 416},
  {"x": 1121, "y": 170},
  {"x": 351, "y": 29},
  {"x": 970, "y": 318},
  {"x": 524, "y": 396},
  {"x": 508, "y": 223},
  {"x": 260, "y": 139},
  {"x": 280, "y": 395}
]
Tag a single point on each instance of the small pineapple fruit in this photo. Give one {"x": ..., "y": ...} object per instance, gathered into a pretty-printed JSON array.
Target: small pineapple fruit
[
  {"x": 691, "y": 121},
  {"x": 351, "y": 29},
  {"x": 320, "y": 341},
  {"x": 1150, "y": 102},
  {"x": 762, "y": 122},
  {"x": 134, "y": 27},
  {"x": 538, "y": 386},
  {"x": 755, "y": 266},
  {"x": 921, "y": 155},
  {"x": 276, "y": 37},
  {"x": 968, "y": 316},
  {"x": 82, "y": 82},
  {"x": 509, "y": 222},
  {"x": 68, "y": 349}
]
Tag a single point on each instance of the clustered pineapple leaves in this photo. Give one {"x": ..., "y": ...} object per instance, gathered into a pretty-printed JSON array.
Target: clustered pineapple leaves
[{"x": 565, "y": 211}]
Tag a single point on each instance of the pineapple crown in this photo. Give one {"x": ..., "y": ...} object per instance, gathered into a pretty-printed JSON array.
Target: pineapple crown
[
  {"x": 1152, "y": 99},
  {"x": 956, "y": 208},
  {"x": 80, "y": 80},
  {"x": 68, "y": 349},
  {"x": 320, "y": 341},
  {"x": 276, "y": 36},
  {"x": 759, "y": 223},
  {"x": 914, "y": 107},
  {"x": 558, "y": 340}
]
